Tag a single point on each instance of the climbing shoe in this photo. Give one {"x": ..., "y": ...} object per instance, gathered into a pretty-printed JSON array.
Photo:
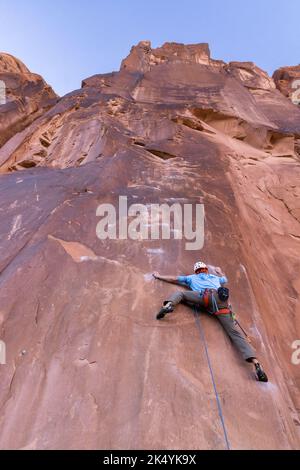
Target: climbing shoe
[
  {"x": 167, "y": 308},
  {"x": 260, "y": 373}
]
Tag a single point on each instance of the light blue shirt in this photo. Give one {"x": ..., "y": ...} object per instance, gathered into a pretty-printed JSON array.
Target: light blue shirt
[{"x": 200, "y": 282}]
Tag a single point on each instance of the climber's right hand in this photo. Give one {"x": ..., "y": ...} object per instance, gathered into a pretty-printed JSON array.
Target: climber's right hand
[{"x": 156, "y": 275}]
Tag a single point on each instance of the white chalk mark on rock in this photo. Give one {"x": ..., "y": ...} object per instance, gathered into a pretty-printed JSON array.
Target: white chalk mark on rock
[
  {"x": 36, "y": 192},
  {"x": 17, "y": 221},
  {"x": 243, "y": 269},
  {"x": 155, "y": 251}
]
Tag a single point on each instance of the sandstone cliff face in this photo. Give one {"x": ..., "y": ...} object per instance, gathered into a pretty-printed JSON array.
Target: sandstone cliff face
[
  {"x": 287, "y": 80},
  {"x": 88, "y": 366},
  {"x": 25, "y": 96}
]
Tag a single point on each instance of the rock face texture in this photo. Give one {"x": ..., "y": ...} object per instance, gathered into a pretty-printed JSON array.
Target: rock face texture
[
  {"x": 287, "y": 80},
  {"x": 87, "y": 364},
  {"x": 23, "y": 96}
]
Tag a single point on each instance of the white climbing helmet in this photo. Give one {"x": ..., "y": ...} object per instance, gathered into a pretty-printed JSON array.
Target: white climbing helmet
[{"x": 199, "y": 265}]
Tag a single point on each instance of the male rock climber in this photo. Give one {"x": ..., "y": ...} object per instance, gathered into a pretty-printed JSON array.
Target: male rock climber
[{"x": 208, "y": 291}]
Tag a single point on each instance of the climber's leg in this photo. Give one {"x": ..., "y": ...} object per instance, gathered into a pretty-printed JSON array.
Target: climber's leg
[
  {"x": 177, "y": 297},
  {"x": 236, "y": 337},
  {"x": 185, "y": 296}
]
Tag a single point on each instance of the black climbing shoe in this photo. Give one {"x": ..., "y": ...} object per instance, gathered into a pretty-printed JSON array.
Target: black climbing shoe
[
  {"x": 260, "y": 373},
  {"x": 164, "y": 310}
]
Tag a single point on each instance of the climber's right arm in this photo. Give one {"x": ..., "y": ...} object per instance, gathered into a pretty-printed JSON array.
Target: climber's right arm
[{"x": 171, "y": 279}]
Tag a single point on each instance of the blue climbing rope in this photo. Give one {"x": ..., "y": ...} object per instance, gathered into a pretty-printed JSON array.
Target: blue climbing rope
[{"x": 198, "y": 324}]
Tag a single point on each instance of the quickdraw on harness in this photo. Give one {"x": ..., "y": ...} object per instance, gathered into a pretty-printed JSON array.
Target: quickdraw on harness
[{"x": 211, "y": 304}]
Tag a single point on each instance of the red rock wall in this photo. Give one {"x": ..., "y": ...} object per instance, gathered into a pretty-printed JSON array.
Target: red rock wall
[
  {"x": 287, "y": 80},
  {"x": 88, "y": 366},
  {"x": 26, "y": 94}
]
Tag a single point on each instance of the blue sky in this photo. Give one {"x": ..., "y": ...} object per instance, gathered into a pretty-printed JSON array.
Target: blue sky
[{"x": 68, "y": 40}]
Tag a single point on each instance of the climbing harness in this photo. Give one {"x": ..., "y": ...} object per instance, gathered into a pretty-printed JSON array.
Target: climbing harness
[{"x": 210, "y": 303}]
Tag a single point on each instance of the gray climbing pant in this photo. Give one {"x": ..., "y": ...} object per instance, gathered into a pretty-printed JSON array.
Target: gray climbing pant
[{"x": 226, "y": 320}]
